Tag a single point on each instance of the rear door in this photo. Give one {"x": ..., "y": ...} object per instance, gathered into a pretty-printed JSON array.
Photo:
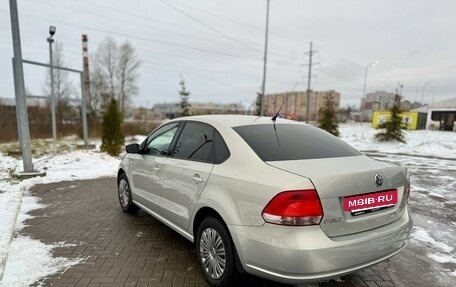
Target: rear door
[{"x": 186, "y": 172}]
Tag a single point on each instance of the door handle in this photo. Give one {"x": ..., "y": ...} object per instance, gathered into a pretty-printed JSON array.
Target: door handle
[{"x": 197, "y": 179}]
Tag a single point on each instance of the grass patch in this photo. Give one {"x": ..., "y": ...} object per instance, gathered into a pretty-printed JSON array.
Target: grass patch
[{"x": 40, "y": 147}]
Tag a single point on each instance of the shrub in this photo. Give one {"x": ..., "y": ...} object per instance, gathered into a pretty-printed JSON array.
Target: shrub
[{"x": 112, "y": 138}]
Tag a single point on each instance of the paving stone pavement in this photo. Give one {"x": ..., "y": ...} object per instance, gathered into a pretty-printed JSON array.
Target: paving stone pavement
[{"x": 119, "y": 249}]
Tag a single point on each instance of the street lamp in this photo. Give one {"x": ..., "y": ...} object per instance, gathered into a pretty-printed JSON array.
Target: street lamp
[
  {"x": 50, "y": 41},
  {"x": 371, "y": 64}
]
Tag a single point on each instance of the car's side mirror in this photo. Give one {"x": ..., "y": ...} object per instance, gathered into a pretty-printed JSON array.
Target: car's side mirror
[{"x": 132, "y": 148}]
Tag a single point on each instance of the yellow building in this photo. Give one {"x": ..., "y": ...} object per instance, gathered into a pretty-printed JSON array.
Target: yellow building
[{"x": 412, "y": 120}]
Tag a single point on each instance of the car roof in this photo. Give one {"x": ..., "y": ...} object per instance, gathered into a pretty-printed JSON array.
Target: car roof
[{"x": 234, "y": 120}]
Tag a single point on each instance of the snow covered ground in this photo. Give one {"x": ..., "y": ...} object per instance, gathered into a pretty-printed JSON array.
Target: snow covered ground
[
  {"x": 433, "y": 199},
  {"x": 421, "y": 142}
]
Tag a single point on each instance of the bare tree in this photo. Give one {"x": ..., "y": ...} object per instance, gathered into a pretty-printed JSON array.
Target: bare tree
[
  {"x": 99, "y": 89},
  {"x": 106, "y": 57},
  {"x": 63, "y": 87},
  {"x": 114, "y": 74},
  {"x": 127, "y": 66}
]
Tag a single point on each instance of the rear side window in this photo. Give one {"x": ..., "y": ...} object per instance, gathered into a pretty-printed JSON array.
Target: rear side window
[
  {"x": 293, "y": 142},
  {"x": 195, "y": 143},
  {"x": 222, "y": 152}
]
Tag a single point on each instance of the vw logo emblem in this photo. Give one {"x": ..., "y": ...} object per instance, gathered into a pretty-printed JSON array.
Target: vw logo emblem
[{"x": 378, "y": 179}]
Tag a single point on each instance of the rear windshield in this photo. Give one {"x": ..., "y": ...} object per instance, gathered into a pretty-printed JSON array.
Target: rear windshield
[{"x": 293, "y": 142}]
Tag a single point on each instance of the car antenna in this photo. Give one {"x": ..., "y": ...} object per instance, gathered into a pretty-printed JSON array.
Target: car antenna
[{"x": 274, "y": 119}]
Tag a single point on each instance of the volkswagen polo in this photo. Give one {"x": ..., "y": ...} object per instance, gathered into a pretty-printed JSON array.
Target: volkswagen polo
[{"x": 274, "y": 198}]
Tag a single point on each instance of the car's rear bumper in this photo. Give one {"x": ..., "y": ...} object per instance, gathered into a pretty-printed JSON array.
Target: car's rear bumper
[{"x": 301, "y": 254}]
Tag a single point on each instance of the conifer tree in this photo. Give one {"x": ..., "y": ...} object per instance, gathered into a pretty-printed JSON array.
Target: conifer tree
[
  {"x": 328, "y": 117},
  {"x": 392, "y": 128},
  {"x": 112, "y": 135},
  {"x": 184, "y": 106},
  {"x": 258, "y": 105}
]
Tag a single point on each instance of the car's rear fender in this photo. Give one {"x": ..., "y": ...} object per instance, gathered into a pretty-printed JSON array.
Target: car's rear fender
[{"x": 240, "y": 193}]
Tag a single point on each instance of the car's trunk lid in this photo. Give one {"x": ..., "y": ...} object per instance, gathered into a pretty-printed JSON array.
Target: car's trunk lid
[{"x": 342, "y": 177}]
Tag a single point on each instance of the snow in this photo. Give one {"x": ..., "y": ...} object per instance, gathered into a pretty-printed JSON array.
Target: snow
[
  {"x": 419, "y": 142},
  {"x": 442, "y": 258},
  {"x": 25, "y": 260},
  {"x": 422, "y": 235},
  {"x": 29, "y": 259}
]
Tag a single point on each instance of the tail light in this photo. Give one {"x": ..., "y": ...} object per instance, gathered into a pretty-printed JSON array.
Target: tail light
[{"x": 296, "y": 207}]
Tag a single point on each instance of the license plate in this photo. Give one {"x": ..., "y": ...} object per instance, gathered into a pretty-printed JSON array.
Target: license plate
[{"x": 364, "y": 203}]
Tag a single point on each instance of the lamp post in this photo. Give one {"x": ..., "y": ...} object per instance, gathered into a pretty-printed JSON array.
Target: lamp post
[
  {"x": 265, "y": 59},
  {"x": 371, "y": 64},
  {"x": 50, "y": 41}
]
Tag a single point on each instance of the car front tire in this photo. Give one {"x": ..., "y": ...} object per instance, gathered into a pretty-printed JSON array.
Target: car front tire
[
  {"x": 215, "y": 253},
  {"x": 124, "y": 193}
]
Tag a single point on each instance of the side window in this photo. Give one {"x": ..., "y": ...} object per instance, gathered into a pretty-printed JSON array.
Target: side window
[
  {"x": 158, "y": 143},
  {"x": 195, "y": 143},
  {"x": 222, "y": 152}
]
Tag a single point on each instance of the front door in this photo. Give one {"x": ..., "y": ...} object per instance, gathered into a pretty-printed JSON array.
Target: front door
[{"x": 149, "y": 164}]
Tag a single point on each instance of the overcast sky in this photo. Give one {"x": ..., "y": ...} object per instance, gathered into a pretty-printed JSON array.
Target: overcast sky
[{"x": 218, "y": 45}]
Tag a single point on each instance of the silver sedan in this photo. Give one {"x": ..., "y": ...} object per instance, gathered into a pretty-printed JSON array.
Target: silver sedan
[{"x": 274, "y": 198}]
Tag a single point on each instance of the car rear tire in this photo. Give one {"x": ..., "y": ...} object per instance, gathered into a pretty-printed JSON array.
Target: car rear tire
[
  {"x": 124, "y": 193},
  {"x": 215, "y": 253}
]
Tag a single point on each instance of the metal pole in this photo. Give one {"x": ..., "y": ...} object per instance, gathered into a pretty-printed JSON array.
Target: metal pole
[
  {"x": 263, "y": 86},
  {"x": 363, "y": 103},
  {"x": 16, "y": 90},
  {"x": 308, "y": 82},
  {"x": 372, "y": 64},
  {"x": 422, "y": 91},
  {"x": 84, "y": 111},
  {"x": 54, "y": 129},
  {"x": 21, "y": 105}
]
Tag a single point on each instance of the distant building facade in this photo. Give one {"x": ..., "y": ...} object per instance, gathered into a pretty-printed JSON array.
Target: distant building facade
[
  {"x": 377, "y": 101},
  {"x": 441, "y": 115},
  {"x": 382, "y": 101},
  {"x": 171, "y": 110},
  {"x": 214, "y": 108},
  {"x": 411, "y": 120},
  {"x": 294, "y": 104}
]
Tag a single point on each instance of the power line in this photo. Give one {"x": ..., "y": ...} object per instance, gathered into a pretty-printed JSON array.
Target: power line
[
  {"x": 342, "y": 57},
  {"x": 335, "y": 75},
  {"x": 190, "y": 29},
  {"x": 152, "y": 40},
  {"x": 209, "y": 27},
  {"x": 172, "y": 24},
  {"x": 217, "y": 16},
  {"x": 129, "y": 35}
]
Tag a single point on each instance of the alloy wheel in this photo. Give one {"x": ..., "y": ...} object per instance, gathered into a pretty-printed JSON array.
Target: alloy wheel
[
  {"x": 124, "y": 193},
  {"x": 213, "y": 255}
]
